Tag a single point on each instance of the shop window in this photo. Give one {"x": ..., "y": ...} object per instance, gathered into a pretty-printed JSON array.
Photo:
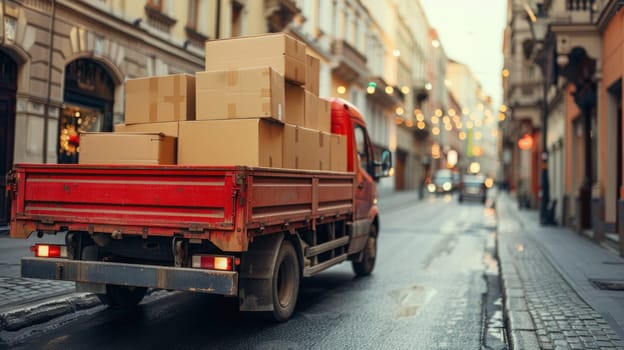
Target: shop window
[{"x": 75, "y": 120}]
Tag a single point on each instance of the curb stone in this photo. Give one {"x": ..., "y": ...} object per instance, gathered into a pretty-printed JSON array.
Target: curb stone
[{"x": 41, "y": 312}]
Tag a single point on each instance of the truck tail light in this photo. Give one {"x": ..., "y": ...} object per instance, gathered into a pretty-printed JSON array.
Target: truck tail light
[
  {"x": 49, "y": 251},
  {"x": 212, "y": 262}
]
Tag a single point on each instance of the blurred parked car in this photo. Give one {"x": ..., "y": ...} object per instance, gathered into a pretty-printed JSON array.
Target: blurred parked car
[{"x": 473, "y": 187}]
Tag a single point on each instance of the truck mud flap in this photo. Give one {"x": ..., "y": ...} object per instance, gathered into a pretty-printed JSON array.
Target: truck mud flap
[{"x": 163, "y": 277}]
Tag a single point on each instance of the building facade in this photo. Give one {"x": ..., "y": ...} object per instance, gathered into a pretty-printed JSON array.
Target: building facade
[
  {"x": 64, "y": 63},
  {"x": 580, "y": 59}
]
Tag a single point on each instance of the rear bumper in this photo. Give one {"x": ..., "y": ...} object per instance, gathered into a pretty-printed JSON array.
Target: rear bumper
[{"x": 163, "y": 277}]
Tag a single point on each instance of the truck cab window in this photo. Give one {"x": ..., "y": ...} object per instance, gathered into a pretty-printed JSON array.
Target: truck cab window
[{"x": 363, "y": 149}]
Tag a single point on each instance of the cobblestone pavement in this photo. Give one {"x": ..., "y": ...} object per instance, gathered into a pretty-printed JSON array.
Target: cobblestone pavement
[
  {"x": 543, "y": 310},
  {"x": 16, "y": 291}
]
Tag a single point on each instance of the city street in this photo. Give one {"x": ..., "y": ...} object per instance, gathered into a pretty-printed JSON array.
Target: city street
[{"x": 428, "y": 291}]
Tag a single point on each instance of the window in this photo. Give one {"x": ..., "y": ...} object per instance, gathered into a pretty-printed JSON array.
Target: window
[
  {"x": 363, "y": 149},
  {"x": 193, "y": 13},
  {"x": 155, "y": 4},
  {"x": 237, "y": 14},
  {"x": 527, "y": 91}
]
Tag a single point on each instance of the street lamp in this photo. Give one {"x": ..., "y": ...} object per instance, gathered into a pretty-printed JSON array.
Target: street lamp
[{"x": 539, "y": 28}]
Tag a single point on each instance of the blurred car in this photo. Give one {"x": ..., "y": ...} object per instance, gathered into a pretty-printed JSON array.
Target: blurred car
[
  {"x": 473, "y": 187},
  {"x": 442, "y": 182}
]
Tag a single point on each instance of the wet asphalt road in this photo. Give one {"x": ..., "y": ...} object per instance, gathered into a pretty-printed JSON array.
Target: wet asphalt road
[{"x": 428, "y": 291}]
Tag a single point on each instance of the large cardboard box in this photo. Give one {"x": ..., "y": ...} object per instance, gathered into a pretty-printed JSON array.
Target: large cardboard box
[
  {"x": 324, "y": 150},
  {"x": 323, "y": 122},
  {"x": 337, "y": 152},
  {"x": 248, "y": 142},
  {"x": 166, "y": 128},
  {"x": 313, "y": 66},
  {"x": 160, "y": 99},
  {"x": 240, "y": 93},
  {"x": 281, "y": 51},
  {"x": 127, "y": 148},
  {"x": 317, "y": 113},
  {"x": 295, "y": 101},
  {"x": 305, "y": 148},
  {"x": 311, "y": 110}
]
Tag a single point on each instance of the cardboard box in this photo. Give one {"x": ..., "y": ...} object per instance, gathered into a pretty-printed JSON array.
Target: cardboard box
[
  {"x": 305, "y": 148},
  {"x": 313, "y": 67},
  {"x": 295, "y": 103},
  {"x": 337, "y": 152},
  {"x": 166, "y": 128},
  {"x": 323, "y": 122},
  {"x": 248, "y": 142},
  {"x": 311, "y": 111},
  {"x": 240, "y": 93},
  {"x": 281, "y": 51},
  {"x": 317, "y": 113},
  {"x": 160, "y": 99},
  {"x": 324, "y": 150},
  {"x": 127, "y": 148}
]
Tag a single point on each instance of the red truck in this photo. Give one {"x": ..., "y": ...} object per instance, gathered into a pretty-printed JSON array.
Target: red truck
[{"x": 243, "y": 232}]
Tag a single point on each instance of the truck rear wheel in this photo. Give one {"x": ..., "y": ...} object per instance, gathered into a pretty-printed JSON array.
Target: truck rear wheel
[
  {"x": 285, "y": 282},
  {"x": 366, "y": 266},
  {"x": 116, "y": 296},
  {"x": 123, "y": 297}
]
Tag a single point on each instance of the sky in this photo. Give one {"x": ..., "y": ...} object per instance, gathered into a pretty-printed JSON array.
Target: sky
[{"x": 471, "y": 32}]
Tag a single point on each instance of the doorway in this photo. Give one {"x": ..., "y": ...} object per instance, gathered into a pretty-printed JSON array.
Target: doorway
[
  {"x": 614, "y": 127},
  {"x": 8, "y": 88},
  {"x": 399, "y": 170},
  {"x": 88, "y": 106}
]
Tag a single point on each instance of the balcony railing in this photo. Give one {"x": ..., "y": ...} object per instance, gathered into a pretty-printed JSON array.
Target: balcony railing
[
  {"x": 351, "y": 64},
  {"x": 579, "y": 5}
]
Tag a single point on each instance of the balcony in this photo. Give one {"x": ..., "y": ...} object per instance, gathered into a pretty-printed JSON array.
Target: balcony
[
  {"x": 350, "y": 65},
  {"x": 159, "y": 20},
  {"x": 279, "y": 13},
  {"x": 383, "y": 98}
]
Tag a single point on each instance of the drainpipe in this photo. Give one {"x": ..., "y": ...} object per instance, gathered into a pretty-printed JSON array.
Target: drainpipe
[{"x": 46, "y": 107}]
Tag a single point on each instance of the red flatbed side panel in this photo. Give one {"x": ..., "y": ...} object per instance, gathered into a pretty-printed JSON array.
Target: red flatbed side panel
[
  {"x": 155, "y": 196},
  {"x": 278, "y": 197}
]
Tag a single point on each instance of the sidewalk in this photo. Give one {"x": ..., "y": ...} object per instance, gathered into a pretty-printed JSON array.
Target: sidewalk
[{"x": 551, "y": 279}]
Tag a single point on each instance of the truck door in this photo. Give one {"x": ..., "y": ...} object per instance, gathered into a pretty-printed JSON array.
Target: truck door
[{"x": 364, "y": 186}]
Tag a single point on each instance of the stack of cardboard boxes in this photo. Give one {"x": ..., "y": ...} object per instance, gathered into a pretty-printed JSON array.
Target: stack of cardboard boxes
[{"x": 256, "y": 104}]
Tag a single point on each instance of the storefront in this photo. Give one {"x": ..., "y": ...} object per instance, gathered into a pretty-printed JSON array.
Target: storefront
[
  {"x": 8, "y": 87},
  {"x": 88, "y": 106}
]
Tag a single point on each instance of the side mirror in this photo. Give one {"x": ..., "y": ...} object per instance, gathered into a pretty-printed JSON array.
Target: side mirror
[{"x": 383, "y": 167}]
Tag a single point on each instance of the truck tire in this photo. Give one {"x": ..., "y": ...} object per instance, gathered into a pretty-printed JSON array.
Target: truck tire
[
  {"x": 116, "y": 296},
  {"x": 123, "y": 297},
  {"x": 366, "y": 266},
  {"x": 285, "y": 282}
]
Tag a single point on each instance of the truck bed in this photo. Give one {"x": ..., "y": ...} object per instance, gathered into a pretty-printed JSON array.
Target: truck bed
[{"x": 227, "y": 205}]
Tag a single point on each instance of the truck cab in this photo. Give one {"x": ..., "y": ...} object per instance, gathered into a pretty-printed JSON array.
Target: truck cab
[{"x": 347, "y": 120}]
